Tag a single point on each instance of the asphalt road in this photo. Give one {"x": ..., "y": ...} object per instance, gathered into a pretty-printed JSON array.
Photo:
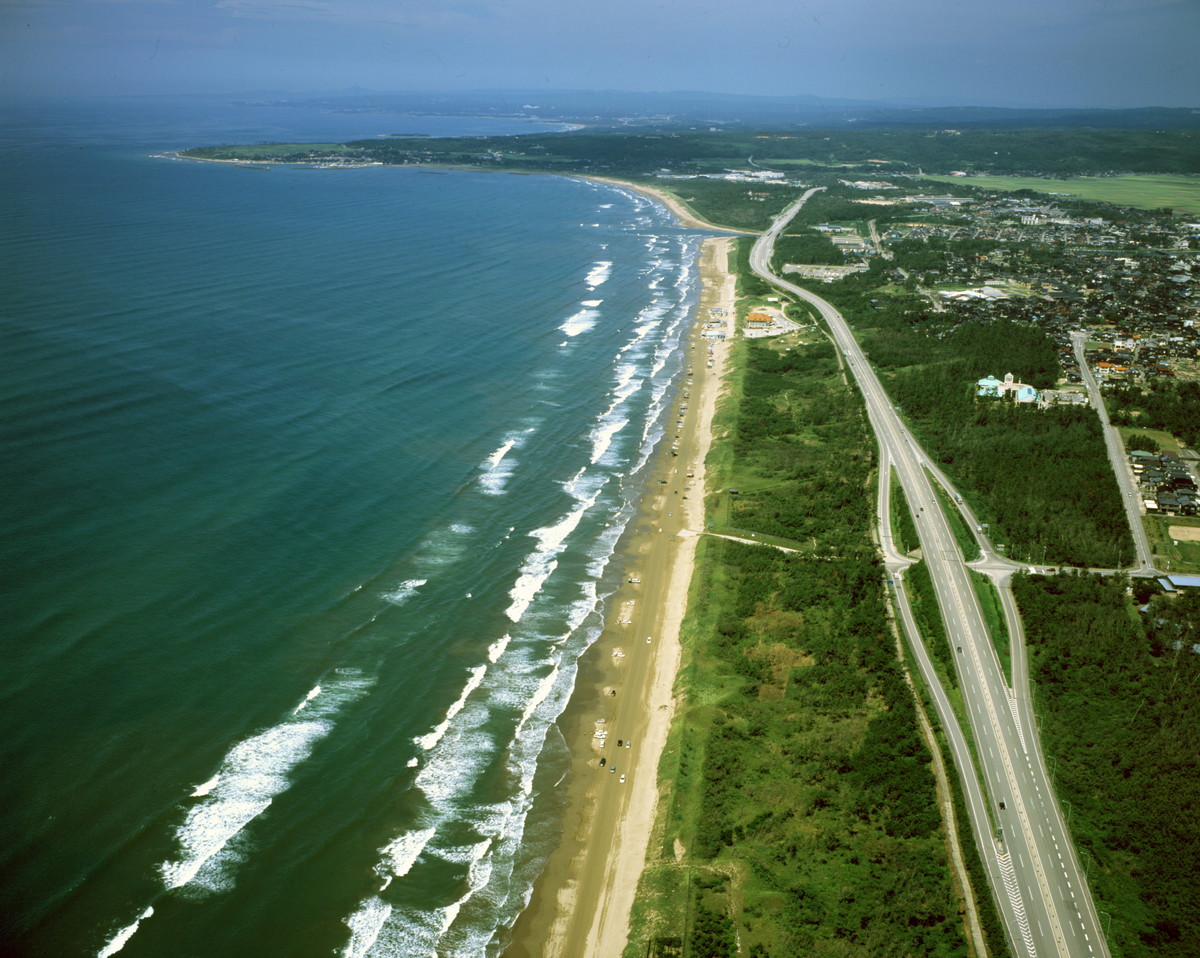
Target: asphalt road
[
  {"x": 1032, "y": 867},
  {"x": 1116, "y": 455}
]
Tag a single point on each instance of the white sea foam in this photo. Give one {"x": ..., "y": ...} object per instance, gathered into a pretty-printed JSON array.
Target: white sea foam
[
  {"x": 253, "y": 772},
  {"x": 602, "y": 437},
  {"x": 404, "y": 591},
  {"x": 574, "y": 486},
  {"x": 400, "y": 854},
  {"x": 455, "y": 767},
  {"x": 117, "y": 941},
  {"x": 496, "y": 649},
  {"x": 448, "y": 780},
  {"x": 407, "y": 936},
  {"x": 431, "y": 739},
  {"x": 526, "y": 588},
  {"x": 365, "y": 926},
  {"x": 497, "y": 469},
  {"x": 599, "y": 274},
  {"x": 498, "y": 732},
  {"x": 539, "y": 696},
  {"x": 312, "y": 694},
  {"x": 495, "y": 458},
  {"x": 205, "y": 788},
  {"x": 540, "y": 563},
  {"x": 479, "y": 873},
  {"x": 580, "y": 322}
]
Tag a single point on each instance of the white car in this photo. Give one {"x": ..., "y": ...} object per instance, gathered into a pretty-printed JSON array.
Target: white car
[{"x": 622, "y": 778}]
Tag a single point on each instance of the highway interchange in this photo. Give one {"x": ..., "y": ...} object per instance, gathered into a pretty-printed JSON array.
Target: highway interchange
[{"x": 1036, "y": 878}]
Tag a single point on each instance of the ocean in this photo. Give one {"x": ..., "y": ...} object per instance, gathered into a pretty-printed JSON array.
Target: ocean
[{"x": 313, "y": 483}]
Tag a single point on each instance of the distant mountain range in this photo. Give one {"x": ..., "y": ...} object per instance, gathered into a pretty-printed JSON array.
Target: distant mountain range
[{"x": 687, "y": 109}]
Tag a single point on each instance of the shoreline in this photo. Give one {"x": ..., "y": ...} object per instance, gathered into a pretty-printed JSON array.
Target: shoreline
[
  {"x": 682, "y": 214},
  {"x": 685, "y": 216},
  {"x": 581, "y": 902}
]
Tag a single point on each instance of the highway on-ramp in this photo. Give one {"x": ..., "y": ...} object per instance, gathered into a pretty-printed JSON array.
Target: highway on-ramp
[{"x": 1035, "y": 876}]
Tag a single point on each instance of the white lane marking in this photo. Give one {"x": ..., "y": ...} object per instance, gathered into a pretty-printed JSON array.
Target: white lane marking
[{"x": 1013, "y": 891}]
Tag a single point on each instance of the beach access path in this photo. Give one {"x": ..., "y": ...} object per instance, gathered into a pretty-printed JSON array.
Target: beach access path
[{"x": 581, "y": 903}]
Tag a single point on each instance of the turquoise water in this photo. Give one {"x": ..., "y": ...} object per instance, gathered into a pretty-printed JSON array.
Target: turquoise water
[{"x": 312, "y": 483}]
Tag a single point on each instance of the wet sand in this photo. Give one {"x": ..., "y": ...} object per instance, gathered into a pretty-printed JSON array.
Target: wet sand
[
  {"x": 685, "y": 216},
  {"x": 581, "y": 902}
]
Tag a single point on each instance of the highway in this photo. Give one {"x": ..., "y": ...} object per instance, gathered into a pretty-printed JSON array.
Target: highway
[
  {"x": 1035, "y": 877},
  {"x": 1116, "y": 455}
]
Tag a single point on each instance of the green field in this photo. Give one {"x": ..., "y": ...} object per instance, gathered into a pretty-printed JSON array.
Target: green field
[
  {"x": 1147, "y": 192},
  {"x": 1180, "y": 556}
]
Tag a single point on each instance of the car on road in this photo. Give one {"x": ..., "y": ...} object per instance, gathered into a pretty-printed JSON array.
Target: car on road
[{"x": 622, "y": 778}]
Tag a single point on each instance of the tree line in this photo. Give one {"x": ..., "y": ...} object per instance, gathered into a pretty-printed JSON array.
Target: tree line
[
  {"x": 796, "y": 770},
  {"x": 1165, "y": 404},
  {"x": 1039, "y": 477},
  {"x": 1118, "y": 694}
]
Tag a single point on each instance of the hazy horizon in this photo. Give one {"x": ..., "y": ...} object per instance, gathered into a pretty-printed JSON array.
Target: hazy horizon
[{"x": 1030, "y": 54}]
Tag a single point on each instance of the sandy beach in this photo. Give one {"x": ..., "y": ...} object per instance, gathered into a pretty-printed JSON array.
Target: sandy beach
[
  {"x": 581, "y": 902},
  {"x": 685, "y": 216}
]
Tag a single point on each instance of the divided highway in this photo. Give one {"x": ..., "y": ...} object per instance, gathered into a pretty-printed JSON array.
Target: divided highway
[{"x": 1035, "y": 876}]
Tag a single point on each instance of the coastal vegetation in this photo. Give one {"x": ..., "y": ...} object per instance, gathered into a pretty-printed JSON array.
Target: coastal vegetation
[
  {"x": 993, "y": 449},
  {"x": 1055, "y": 152},
  {"x": 1116, "y": 697},
  {"x": 802, "y": 815},
  {"x": 806, "y": 246}
]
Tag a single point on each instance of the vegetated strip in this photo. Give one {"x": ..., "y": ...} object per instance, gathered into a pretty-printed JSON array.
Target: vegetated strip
[
  {"x": 993, "y": 615},
  {"x": 904, "y": 528},
  {"x": 1117, "y": 696},
  {"x": 967, "y": 543},
  {"x": 798, "y": 812}
]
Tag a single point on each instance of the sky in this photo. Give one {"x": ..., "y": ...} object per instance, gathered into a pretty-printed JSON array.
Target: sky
[{"x": 1080, "y": 53}]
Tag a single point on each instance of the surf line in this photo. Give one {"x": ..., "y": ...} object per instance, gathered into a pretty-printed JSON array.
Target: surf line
[{"x": 253, "y": 772}]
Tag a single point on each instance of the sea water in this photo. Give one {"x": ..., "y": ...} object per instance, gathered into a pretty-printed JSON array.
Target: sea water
[{"x": 312, "y": 484}]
